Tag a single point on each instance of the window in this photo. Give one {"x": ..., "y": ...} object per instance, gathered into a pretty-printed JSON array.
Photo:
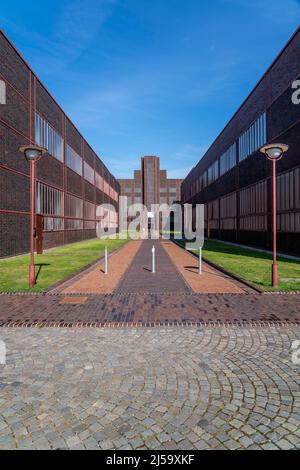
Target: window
[
  {"x": 253, "y": 207},
  {"x": 288, "y": 201},
  {"x": 48, "y": 138},
  {"x": 228, "y": 160},
  {"x": 254, "y": 138},
  {"x": 89, "y": 215},
  {"x": 228, "y": 212},
  {"x": 99, "y": 181},
  {"x": 213, "y": 172},
  {"x": 89, "y": 210},
  {"x": 150, "y": 182},
  {"x": 163, "y": 190},
  {"x": 106, "y": 188},
  {"x": 74, "y": 212},
  {"x": 73, "y": 160},
  {"x": 89, "y": 173},
  {"x": 50, "y": 202},
  {"x": 212, "y": 215},
  {"x": 203, "y": 181}
]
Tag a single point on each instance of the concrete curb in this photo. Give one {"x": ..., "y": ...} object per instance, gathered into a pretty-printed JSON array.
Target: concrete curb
[{"x": 140, "y": 325}]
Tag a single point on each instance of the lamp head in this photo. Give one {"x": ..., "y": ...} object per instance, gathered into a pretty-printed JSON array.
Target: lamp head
[
  {"x": 32, "y": 152},
  {"x": 274, "y": 151}
]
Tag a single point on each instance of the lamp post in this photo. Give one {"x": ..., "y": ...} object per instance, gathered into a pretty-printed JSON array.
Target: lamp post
[
  {"x": 32, "y": 154},
  {"x": 274, "y": 152}
]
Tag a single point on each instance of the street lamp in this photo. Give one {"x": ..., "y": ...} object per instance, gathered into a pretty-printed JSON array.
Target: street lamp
[
  {"x": 32, "y": 154},
  {"x": 274, "y": 152}
]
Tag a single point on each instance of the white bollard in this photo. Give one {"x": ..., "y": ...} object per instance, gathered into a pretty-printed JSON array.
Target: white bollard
[
  {"x": 106, "y": 260},
  {"x": 2, "y": 353},
  {"x": 153, "y": 260},
  {"x": 200, "y": 260}
]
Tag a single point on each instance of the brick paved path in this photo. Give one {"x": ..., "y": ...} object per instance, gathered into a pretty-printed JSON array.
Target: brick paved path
[
  {"x": 177, "y": 388},
  {"x": 139, "y": 278},
  {"x": 210, "y": 281},
  {"x": 149, "y": 308},
  {"x": 130, "y": 271},
  {"x": 95, "y": 281}
]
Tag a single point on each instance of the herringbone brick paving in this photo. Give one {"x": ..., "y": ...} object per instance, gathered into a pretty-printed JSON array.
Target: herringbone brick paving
[
  {"x": 137, "y": 308},
  {"x": 139, "y": 278}
]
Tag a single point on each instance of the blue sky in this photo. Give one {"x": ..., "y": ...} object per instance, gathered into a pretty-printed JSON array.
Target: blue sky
[{"x": 150, "y": 77}]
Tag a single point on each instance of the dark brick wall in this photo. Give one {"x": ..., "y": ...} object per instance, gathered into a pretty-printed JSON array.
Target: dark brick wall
[
  {"x": 72, "y": 236},
  {"x": 73, "y": 137},
  {"x": 48, "y": 108},
  {"x": 10, "y": 142},
  {"x": 12, "y": 67},
  {"x": 52, "y": 239},
  {"x": 14, "y": 230},
  {"x": 283, "y": 114},
  {"x": 50, "y": 171},
  {"x": 292, "y": 158},
  {"x": 275, "y": 82},
  {"x": 15, "y": 112},
  {"x": 14, "y": 190},
  {"x": 98, "y": 166},
  {"x": 73, "y": 183},
  {"x": 99, "y": 197},
  {"x": 273, "y": 94},
  {"x": 29, "y": 95},
  {"x": 89, "y": 192},
  {"x": 89, "y": 155}
]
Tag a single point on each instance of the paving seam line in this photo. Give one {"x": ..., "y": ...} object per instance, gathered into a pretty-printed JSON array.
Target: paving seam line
[
  {"x": 147, "y": 325},
  {"x": 180, "y": 273}
]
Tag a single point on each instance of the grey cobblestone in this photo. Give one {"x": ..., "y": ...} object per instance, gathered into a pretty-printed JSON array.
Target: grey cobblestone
[{"x": 168, "y": 388}]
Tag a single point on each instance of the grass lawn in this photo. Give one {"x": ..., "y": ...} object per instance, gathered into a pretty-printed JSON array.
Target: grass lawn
[
  {"x": 253, "y": 266},
  {"x": 53, "y": 266}
]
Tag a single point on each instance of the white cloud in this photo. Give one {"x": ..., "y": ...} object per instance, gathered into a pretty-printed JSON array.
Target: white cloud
[
  {"x": 78, "y": 23},
  {"x": 191, "y": 152}
]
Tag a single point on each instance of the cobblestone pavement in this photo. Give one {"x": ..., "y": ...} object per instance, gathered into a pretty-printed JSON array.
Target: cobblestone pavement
[
  {"x": 163, "y": 388},
  {"x": 148, "y": 308}
]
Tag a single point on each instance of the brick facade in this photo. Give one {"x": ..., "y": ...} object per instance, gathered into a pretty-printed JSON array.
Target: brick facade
[
  {"x": 273, "y": 96},
  {"x": 165, "y": 190},
  {"x": 26, "y": 96}
]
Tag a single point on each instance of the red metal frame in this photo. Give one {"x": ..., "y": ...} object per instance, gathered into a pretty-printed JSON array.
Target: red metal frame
[
  {"x": 32, "y": 223},
  {"x": 274, "y": 203}
]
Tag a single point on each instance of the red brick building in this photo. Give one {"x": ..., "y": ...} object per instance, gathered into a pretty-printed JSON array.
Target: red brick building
[
  {"x": 71, "y": 179},
  {"x": 233, "y": 179},
  {"x": 150, "y": 185}
]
